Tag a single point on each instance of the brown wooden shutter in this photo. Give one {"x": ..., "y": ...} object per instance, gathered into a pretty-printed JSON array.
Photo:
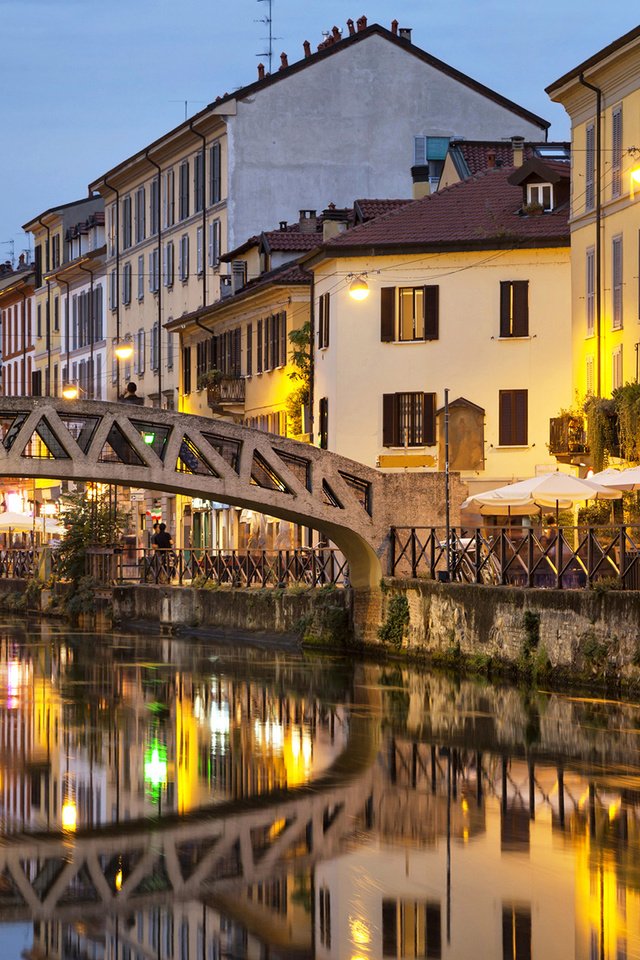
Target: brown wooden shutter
[
  {"x": 520, "y": 418},
  {"x": 389, "y": 420},
  {"x": 431, "y": 312},
  {"x": 520, "y": 308},
  {"x": 505, "y": 308},
  {"x": 387, "y": 314},
  {"x": 429, "y": 418},
  {"x": 506, "y": 419}
]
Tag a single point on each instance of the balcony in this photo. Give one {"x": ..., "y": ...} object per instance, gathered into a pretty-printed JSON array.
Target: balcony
[
  {"x": 568, "y": 437},
  {"x": 228, "y": 390}
]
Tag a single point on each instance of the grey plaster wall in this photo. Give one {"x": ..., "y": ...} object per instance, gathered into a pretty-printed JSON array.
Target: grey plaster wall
[{"x": 343, "y": 128}]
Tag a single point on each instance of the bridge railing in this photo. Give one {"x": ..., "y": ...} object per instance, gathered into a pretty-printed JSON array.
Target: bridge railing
[
  {"x": 305, "y": 566},
  {"x": 564, "y": 557},
  {"x": 17, "y": 563}
]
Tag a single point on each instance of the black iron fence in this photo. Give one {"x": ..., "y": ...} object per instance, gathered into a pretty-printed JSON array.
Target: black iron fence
[
  {"x": 18, "y": 563},
  {"x": 565, "y": 557},
  {"x": 311, "y": 567}
]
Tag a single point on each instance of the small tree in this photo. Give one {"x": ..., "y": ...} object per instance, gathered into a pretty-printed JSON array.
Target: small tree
[
  {"x": 300, "y": 340},
  {"x": 89, "y": 522}
]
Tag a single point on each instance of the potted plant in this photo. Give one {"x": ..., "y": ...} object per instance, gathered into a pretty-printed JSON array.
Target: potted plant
[{"x": 534, "y": 209}]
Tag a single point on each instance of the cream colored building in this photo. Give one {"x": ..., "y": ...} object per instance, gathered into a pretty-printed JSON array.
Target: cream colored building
[
  {"x": 602, "y": 98},
  {"x": 468, "y": 289}
]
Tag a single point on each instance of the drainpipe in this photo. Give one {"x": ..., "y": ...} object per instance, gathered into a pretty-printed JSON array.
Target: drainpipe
[
  {"x": 117, "y": 193},
  {"x": 48, "y": 311},
  {"x": 91, "y": 329},
  {"x": 197, "y": 133},
  {"x": 312, "y": 366},
  {"x": 66, "y": 326},
  {"x": 24, "y": 345},
  {"x": 598, "y": 93},
  {"x": 158, "y": 211}
]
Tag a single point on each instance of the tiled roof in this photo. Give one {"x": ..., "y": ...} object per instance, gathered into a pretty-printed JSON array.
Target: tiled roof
[
  {"x": 472, "y": 156},
  {"x": 481, "y": 211},
  {"x": 370, "y": 209}
]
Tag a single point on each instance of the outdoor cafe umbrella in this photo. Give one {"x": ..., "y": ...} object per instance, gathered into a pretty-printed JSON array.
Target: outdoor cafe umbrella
[
  {"x": 23, "y": 523},
  {"x": 628, "y": 479},
  {"x": 559, "y": 490}
]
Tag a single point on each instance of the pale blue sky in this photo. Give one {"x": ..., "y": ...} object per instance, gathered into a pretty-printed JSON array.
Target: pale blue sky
[{"x": 85, "y": 83}]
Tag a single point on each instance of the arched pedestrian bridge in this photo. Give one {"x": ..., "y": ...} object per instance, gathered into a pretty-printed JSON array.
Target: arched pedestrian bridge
[{"x": 130, "y": 445}]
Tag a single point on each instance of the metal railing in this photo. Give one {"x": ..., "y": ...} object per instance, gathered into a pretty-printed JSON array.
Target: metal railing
[
  {"x": 305, "y": 566},
  {"x": 18, "y": 563},
  {"x": 565, "y": 557}
]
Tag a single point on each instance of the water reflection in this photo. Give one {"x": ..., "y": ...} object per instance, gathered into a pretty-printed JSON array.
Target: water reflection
[{"x": 166, "y": 800}]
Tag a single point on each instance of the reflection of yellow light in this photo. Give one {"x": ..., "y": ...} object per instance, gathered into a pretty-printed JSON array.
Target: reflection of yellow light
[
  {"x": 276, "y": 828},
  {"x": 465, "y": 835},
  {"x": 583, "y": 799},
  {"x": 119, "y": 879},
  {"x": 69, "y": 815},
  {"x": 635, "y": 175},
  {"x": 614, "y": 809},
  {"x": 465, "y": 806},
  {"x": 359, "y": 931}
]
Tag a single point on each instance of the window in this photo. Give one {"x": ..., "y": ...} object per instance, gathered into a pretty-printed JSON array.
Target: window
[
  {"x": 183, "y": 259},
  {"x": 514, "y": 308},
  {"x": 589, "y": 376},
  {"x": 56, "y": 314},
  {"x": 168, "y": 264},
  {"x": 140, "y": 215},
  {"x": 139, "y": 361},
  {"x": 323, "y": 321},
  {"x": 323, "y": 422},
  {"x": 199, "y": 258},
  {"x": 198, "y": 182},
  {"x": 616, "y": 278},
  {"x": 516, "y": 933},
  {"x": 238, "y": 275},
  {"x": 616, "y": 372},
  {"x": 324, "y": 912},
  {"x": 113, "y": 290},
  {"x": 154, "y": 271},
  {"x": 112, "y": 232},
  {"x": 409, "y": 313},
  {"x": 39, "y": 320},
  {"x": 55, "y": 251},
  {"x": 154, "y": 347},
  {"x": 141, "y": 277},
  {"x": 215, "y": 191},
  {"x": 590, "y": 288},
  {"x": 616, "y": 152},
  {"x": 408, "y": 419},
  {"x": 126, "y": 223},
  {"x": 249, "y": 364},
  {"x": 97, "y": 313},
  {"x": 169, "y": 198},
  {"x": 411, "y": 929},
  {"x": 183, "y": 207},
  {"x": 126, "y": 284},
  {"x": 513, "y": 416},
  {"x": 590, "y": 167},
  {"x": 169, "y": 351},
  {"x": 186, "y": 369},
  {"x": 154, "y": 212},
  {"x": 541, "y": 193},
  {"x": 214, "y": 243},
  {"x": 259, "y": 345}
]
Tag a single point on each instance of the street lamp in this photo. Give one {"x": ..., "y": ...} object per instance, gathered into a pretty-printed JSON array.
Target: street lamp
[
  {"x": 124, "y": 349},
  {"x": 359, "y": 288},
  {"x": 71, "y": 391}
]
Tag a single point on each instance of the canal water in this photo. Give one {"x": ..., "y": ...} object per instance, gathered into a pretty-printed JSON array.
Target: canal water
[{"x": 164, "y": 799}]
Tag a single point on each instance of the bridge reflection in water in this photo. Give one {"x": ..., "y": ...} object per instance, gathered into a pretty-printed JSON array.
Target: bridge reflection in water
[{"x": 179, "y": 802}]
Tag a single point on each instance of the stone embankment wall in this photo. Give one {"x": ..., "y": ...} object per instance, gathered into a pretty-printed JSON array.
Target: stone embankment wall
[
  {"x": 315, "y": 616},
  {"x": 584, "y": 633}
]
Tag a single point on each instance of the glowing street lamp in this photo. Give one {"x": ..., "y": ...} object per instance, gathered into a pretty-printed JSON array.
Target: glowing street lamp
[
  {"x": 69, "y": 815},
  {"x": 70, "y": 391},
  {"x": 359, "y": 289},
  {"x": 124, "y": 350}
]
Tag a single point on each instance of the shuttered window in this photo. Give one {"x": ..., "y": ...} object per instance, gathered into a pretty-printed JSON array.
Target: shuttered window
[
  {"x": 616, "y": 278},
  {"x": 249, "y": 364},
  {"x": 215, "y": 191},
  {"x": 616, "y": 152},
  {"x": 183, "y": 208},
  {"x": 409, "y": 313},
  {"x": 183, "y": 260},
  {"x": 323, "y": 422},
  {"x": 514, "y": 415},
  {"x": 141, "y": 277},
  {"x": 514, "y": 308},
  {"x": 198, "y": 182},
  {"x": 126, "y": 284},
  {"x": 154, "y": 211},
  {"x": 616, "y": 373},
  {"x": 140, "y": 215},
  {"x": 259, "y": 346},
  {"x": 169, "y": 198},
  {"x": 590, "y": 289},
  {"x": 590, "y": 167},
  {"x": 186, "y": 370},
  {"x": 408, "y": 419},
  {"x": 323, "y": 321},
  {"x": 126, "y": 223}
]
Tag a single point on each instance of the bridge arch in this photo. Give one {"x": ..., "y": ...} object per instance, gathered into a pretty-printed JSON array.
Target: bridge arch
[{"x": 136, "y": 446}]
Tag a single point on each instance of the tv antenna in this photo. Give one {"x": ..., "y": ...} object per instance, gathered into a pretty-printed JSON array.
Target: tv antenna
[
  {"x": 268, "y": 21},
  {"x": 186, "y": 105},
  {"x": 12, "y": 249}
]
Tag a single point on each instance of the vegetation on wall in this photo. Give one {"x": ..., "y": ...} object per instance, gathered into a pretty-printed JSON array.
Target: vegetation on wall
[
  {"x": 601, "y": 430},
  {"x": 300, "y": 359}
]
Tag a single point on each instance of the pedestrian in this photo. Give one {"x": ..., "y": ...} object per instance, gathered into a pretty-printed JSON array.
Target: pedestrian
[{"x": 131, "y": 395}]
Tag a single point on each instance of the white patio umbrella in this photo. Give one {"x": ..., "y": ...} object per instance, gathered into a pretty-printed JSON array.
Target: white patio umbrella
[
  {"x": 558, "y": 490},
  {"x": 24, "y": 523},
  {"x": 628, "y": 479}
]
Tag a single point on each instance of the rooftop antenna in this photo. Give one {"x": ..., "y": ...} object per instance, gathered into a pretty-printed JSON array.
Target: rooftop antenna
[
  {"x": 268, "y": 21},
  {"x": 186, "y": 105},
  {"x": 12, "y": 249}
]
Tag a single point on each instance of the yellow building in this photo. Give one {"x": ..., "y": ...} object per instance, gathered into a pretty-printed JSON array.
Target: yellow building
[{"x": 602, "y": 98}]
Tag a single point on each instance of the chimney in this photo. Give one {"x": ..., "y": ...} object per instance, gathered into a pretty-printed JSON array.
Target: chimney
[
  {"x": 261, "y": 71},
  {"x": 351, "y": 27},
  {"x": 308, "y": 221},
  {"x": 394, "y": 27},
  {"x": 362, "y": 23},
  {"x": 283, "y": 225},
  {"x": 420, "y": 177},
  {"x": 21, "y": 259},
  {"x": 337, "y": 34},
  {"x": 334, "y": 222},
  {"x": 517, "y": 145},
  {"x": 491, "y": 159},
  {"x": 284, "y": 61},
  {"x": 405, "y": 33},
  {"x": 307, "y": 48}
]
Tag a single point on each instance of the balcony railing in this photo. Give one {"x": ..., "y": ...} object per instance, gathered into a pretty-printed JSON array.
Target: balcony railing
[
  {"x": 567, "y": 436},
  {"x": 229, "y": 389}
]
